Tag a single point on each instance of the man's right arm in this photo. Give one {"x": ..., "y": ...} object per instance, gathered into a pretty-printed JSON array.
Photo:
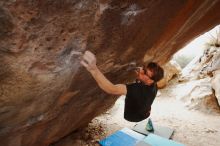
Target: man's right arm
[{"x": 89, "y": 62}]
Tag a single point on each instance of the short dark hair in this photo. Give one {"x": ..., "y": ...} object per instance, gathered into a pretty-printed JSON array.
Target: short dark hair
[{"x": 158, "y": 72}]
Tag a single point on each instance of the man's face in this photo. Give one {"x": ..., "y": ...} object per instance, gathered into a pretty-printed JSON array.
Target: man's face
[{"x": 144, "y": 75}]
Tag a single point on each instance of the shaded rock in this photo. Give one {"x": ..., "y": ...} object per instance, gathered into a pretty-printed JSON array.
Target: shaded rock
[
  {"x": 89, "y": 135},
  {"x": 44, "y": 92}
]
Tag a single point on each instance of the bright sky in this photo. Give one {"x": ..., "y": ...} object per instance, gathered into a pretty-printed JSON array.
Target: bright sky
[{"x": 196, "y": 46}]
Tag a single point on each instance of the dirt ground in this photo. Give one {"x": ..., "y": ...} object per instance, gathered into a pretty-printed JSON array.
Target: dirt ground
[{"x": 192, "y": 128}]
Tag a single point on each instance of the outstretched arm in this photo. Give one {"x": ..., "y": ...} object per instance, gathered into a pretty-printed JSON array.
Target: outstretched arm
[{"x": 89, "y": 62}]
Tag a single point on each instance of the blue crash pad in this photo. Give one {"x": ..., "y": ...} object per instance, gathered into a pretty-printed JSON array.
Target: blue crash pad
[
  {"x": 156, "y": 140},
  {"x": 128, "y": 137},
  {"x": 118, "y": 138},
  {"x": 123, "y": 137}
]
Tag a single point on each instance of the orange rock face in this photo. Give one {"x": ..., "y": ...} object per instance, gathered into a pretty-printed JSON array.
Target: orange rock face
[{"x": 45, "y": 93}]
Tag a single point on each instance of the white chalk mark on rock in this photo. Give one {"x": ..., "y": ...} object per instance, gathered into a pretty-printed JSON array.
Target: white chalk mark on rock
[{"x": 129, "y": 14}]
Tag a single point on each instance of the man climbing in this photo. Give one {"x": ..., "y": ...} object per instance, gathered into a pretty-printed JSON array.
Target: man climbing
[{"x": 139, "y": 95}]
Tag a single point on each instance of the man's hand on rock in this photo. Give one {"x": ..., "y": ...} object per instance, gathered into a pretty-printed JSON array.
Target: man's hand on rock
[{"x": 89, "y": 61}]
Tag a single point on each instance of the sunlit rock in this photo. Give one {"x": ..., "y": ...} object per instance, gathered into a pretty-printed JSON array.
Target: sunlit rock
[
  {"x": 171, "y": 69},
  {"x": 216, "y": 84},
  {"x": 197, "y": 95},
  {"x": 202, "y": 66}
]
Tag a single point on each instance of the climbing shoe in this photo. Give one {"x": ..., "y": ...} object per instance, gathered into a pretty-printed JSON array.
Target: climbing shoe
[{"x": 149, "y": 126}]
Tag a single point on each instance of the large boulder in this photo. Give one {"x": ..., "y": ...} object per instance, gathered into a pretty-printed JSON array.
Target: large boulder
[
  {"x": 201, "y": 67},
  {"x": 197, "y": 95},
  {"x": 45, "y": 93},
  {"x": 216, "y": 84}
]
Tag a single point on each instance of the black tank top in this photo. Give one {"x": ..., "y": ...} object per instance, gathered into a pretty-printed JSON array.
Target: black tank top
[{"x": 138, "y": 101}]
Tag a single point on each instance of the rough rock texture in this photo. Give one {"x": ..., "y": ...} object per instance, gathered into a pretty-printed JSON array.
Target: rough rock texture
[
  {"x": 202, "y": 87},
  {"x": 44, "y": 92},
  {"x": 197, "y": 94},
  {"x": 202, "y": 66},
  {"x": 215, "y": 84},
  {"x": 213, "y": 67}
]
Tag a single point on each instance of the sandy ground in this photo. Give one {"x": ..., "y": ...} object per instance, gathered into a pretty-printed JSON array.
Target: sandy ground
[{"x": 192, "y": 128}]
